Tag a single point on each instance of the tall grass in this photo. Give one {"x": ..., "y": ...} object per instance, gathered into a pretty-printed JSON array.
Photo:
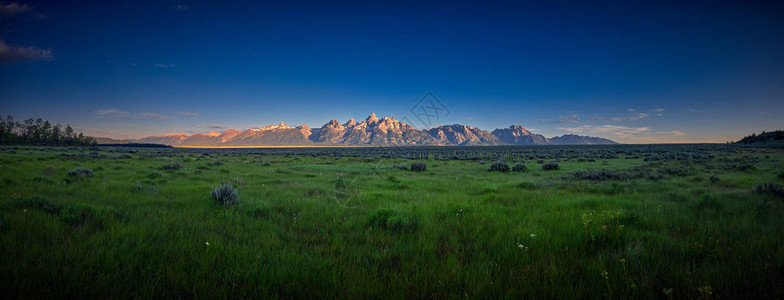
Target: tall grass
[{"x": 309, "y": 229}]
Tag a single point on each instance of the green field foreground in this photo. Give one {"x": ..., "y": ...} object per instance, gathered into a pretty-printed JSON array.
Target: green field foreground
[{"x": 316, "y": 226}]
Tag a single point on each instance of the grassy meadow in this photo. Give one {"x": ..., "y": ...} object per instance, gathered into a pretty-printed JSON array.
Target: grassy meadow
[{"x": 638, "y": 223}]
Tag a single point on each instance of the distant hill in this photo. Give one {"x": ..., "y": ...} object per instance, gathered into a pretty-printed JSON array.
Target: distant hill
[
  {"x": 172, "y": 139},
  {"x": 764, "y": 139},
  {"x": 572, "y": 139},
  {"x": 105, "y": 140},
  {"x": 372, "y": 131}
]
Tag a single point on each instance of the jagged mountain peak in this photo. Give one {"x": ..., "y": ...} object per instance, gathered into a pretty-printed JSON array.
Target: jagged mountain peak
[
  {"x": 463, "y": 135},
  {"x": 518, "y": 135},
  {"x": 172, "y": 135},
  {"x": 386, "y": 131},
  {"x": 351, "y": 122},
  {"x": 371, "y": 119}
]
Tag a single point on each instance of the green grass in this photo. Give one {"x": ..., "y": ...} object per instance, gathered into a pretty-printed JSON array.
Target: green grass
[{"x": 324, "y": 228}]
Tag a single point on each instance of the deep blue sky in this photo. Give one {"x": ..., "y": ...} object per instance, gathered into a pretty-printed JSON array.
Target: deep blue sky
[{"x": 632, "y": 71}]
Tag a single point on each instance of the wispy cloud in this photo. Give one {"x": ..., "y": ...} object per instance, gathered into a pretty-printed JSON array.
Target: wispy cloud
[
  {"x": 565, "y": 119},
  {"x": 613, "y": 130},
  {"x": 112, "y": 113},
  {"x": 11, "y": 54},
  {"x": 181, "y": 7},
  {"x": 153, "y": 116},
  {"x": 569, "y": 119},
  {"x": 637, "y": 116},
  {"x": 627, "y": 134},
  {"x": 13, "y": 8},
  {"x": 116, "y": 113},
  {"x": 678, "y": 133},
  {"x": 188, "y": 114},
  {"x": 631, "y": 117},
  {"x": 165, "y": 66},
  {"x": 217, "y": 126}
]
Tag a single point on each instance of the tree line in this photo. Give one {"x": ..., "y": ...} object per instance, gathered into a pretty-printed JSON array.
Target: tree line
[
  {"x": 763, "y": 137},
  {"x": 40, "y": 132}
]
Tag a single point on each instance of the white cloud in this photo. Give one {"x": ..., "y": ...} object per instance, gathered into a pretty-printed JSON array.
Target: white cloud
[{"x": 188, "y": 114}]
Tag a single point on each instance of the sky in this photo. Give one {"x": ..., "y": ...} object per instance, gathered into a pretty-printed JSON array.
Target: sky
[{"x": 631, "y": 71}]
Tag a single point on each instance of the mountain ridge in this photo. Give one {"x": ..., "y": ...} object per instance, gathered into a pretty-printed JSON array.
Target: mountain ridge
[{"x": 372, "y": 131}]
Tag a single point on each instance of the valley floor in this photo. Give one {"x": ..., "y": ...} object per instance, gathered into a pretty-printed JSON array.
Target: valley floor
[{"x": 610, "y": 222}]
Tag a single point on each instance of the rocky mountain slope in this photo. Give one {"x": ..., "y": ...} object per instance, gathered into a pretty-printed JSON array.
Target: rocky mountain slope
[
  {"x": 462, "y": 135},
  {"x": 372, "y": 131},
  {"x": 518, "y": 135}
]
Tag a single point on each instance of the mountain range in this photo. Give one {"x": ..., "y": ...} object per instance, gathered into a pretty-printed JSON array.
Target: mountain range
[{"x": 372, "y": 131}]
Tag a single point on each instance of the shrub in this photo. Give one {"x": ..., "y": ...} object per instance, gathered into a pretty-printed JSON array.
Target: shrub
[
  {"x": 172, "y": 166},
  {"x": 81, "y": 172},
  {"x": 217, "y": 162},
  {"x": 36, "y": 202},
  {"x": 519, "y": 167},
  {"x": 770, "y": 188},
  {"x": 225, "y": 194},
  {"x": 401, "y": 166},
  {"x": 598, "y": 175},
  {"x": 714, "y": 179},
  {"x": 551, "y": 165},
  {"x": 265, "y": 163},
  {"x": 418, "y": 166},
  {"x": 676, "y": 171},
  {"x": 500, "y": 166}
]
